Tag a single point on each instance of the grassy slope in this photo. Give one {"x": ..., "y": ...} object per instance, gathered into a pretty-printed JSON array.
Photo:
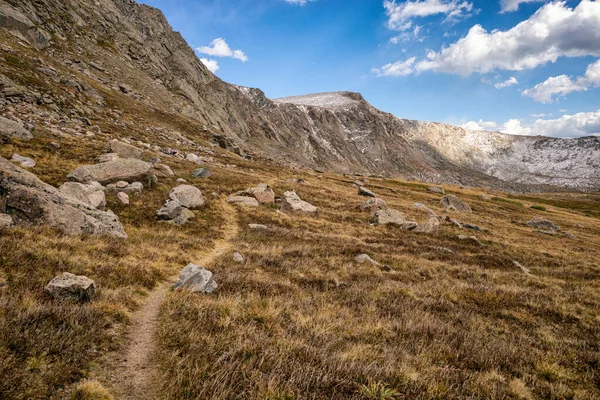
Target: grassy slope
[{"x": 300, "y": 319}]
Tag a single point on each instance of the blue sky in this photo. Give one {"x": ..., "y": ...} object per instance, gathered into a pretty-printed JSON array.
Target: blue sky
[{"x": 518, "y": 66}]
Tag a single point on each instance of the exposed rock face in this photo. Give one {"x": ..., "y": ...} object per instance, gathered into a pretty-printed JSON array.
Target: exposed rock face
[
  {"x": 451, "y": 202},
  {"x": 28, "y": 200},
  {"x": 393, "y": 217},
  {"x": 12, "y": 129},
  {"x": 91, "y": 193},
  {"x": 122, "y": 169},
  {"x": 196, "y": 279},
  {"x": 71, "y": 287},
  {"x": 19, "y": 24},
  {"x": 125, "y": 150},
  {"x": 188, "y": 196},
  {"x": 541, "y": 223},
  {"x": 291, "y": 202}
]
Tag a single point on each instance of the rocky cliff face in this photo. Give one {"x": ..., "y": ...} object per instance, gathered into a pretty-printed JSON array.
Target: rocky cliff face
[{"x": 130, "y": 48}]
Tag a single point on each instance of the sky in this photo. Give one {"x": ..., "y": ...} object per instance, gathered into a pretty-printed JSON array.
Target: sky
[{"x": 528, "y": 67}]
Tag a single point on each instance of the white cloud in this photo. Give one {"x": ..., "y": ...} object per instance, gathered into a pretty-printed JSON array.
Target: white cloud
[
  {"x": 576, "y": 125},
  {"x": 212, "y": 65},
  {"x": 509, "y": 82},
  {"x": 220, "y": 48},
  {"x": 399, "y": 68},
  {"x": 401, "y": 14},
  {"x": 298, "y": 2},
  {"x": 562, "y": 85},
  {"x": 513, "y": 5},
  {"x": 554, "y": 31}
]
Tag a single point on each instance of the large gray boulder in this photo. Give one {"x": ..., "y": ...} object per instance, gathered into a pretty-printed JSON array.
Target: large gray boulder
[
  {"x": 196, "y": 279},
  {"x": 125, "y": 150},
  {"x": 13, "y": 130},
  {"x": 451, "y": 202},
  {"x": 393, "y": 217},
  {"x": 91, "y": 193},
  {"x": 122, "y": 169},
  {"x": 29, "y": 201},
  {"x": 71, "y": 287},
  {"x": 291, "y": 202},
  {"x": 188, "y": 196}
]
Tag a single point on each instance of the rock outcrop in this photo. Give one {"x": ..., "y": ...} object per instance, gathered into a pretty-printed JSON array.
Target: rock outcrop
[
  {"x": 122, "y": 169},
  {"x": 29, "y": 201},
  {"x": 14, "y": 130}
]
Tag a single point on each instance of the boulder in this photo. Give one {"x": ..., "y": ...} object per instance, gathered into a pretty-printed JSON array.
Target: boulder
[
  {"x": 238, "y": 258},
  {"x": 358, "y": 183},
  {"x": 541, "y": 223},
  {"x": 121, "y": 169},
  {"x": 28, "y": 200},
  {"x": 263, "y": 193},
  {"x": 291, "y": 202},
  {"x": 71, "y": 287},
  {"x": 363, "y": 191},
  {"x": 20, "y": 25},
  {"x": 182, "y": 218},
  {"x": 451, "y": 202},
  {"x": 196, "y": 279},
  {"x": 393, "y": 217},
  {"x": 436, "y": 189},
  {"x": 192, "y": 157},
  {"x": 107, "y": 157},
  {"x": 373, "y": 205},
  {"x": 91, "y": 193},
  {"x": 229, "y": 145},
  {"x": 430, "y": 226},
  {"x": 13, "y": 130},
  {"x": 201, "y": 173},
  {"x": 424, "y": 208},
  {"x": 188, "y": 196},
  {"x": 171, "y": 210},
  {"x": 125, "y": 150},
  {"x": 163, "y": 170},
  {"x": 129, "y": 188},
  {"x": 243, "y": 201},
  {"x": 123, "y": 198},
  {"x": 25, "y": 162},
  {"x": 6, "y": 221}
]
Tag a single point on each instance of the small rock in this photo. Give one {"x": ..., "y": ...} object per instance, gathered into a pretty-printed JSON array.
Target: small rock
[
  {"x": 365, "y": 258},
  {"x": 6, "y": 221},
  {"x": 238, "y": 258},
  {"x": 182, "y": 218},
  {"x": 107, "y": 157},
  {"x": 129, "y": 188},
  {"x": 192, "y": 157},
  {"x": 291, "y": 202},
  {"x": 442, "y": 249},
  {"x": 263, "y": 193},
  {"x": 430, "y": 226},
  {"x": 243, "y": 201},
  {"x": 123, "y": 198},
  {"x": 196, "y": 279},
  {"x": 180, "y": 180},
  {"x": 257, "y": 226},
  {"x": 472, "y": 227},
  {"x": 522, "y": 268},
  {"x": 363, "y": 191},
  {"x": 170, "y": 210},
  {"x": 71, "y": 287},
  {"x": 424, "y": 208},
  {"x": 359, "y": 183},
  {"x": 452, "y": 202},
  {"x": 373, "y": 204},
  {"x": 125, "y": 150},
  {"x": 125, "y": 88},
  {"x": 188, "y": 196},
  {"x": 468, "y": 238},
  {"x": 436, "y": 189},
  {"x": 25, "y": 162},
  {"x": 91, "y": 193},
  {"x": 201, "y": 173},
  {"x": 393, "y": 217},
  {"x": 483, "y": 196},
  {"x": 544, "y": 224},
  {"x": 13, "y": 130},
  {"x": 53, "y": 146},
  {"x": 162, "y": 170},
  {"x": 121, "y": 184}
]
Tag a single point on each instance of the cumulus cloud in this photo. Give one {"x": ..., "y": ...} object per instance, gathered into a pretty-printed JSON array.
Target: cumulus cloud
[
  {"x": 576, "y": 125},
  {"x": 557, "y": 86},
  {"x": 212, "y": 65},
  {"x": 554, "y": 31},
  {"x": 513, "y": 5},
  {"x": 509, "y": 82},
  {"x": 220, "y": 48},
  {"x": 401, "y": 14},
  {"x": 399, "y": 68}
]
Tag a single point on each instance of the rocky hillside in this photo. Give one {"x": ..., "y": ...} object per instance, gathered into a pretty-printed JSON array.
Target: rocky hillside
[{"x": 131, "y": 49}]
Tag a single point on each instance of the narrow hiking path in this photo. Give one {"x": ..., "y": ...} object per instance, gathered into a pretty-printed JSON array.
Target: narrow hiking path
[{"x": 133, "y": 374}]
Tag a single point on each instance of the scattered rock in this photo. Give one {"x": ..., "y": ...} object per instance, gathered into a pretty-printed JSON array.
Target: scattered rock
[
  {"x": 483, "y": 196},
  {"x": 121, "y": 169},
  {"x": 129, "y": 188},
  {"x": 201, "y": 173},
  {"x": 91, "y": 193},
  {"x": 358, "y": 183},
  {"x": 522, "y": 268},
  {"x": 363, "y": 191},
  {"x": 257, "y": 226},
  {"x": 125, "y": 150},
  {"x": 170, "y": 210},
  {"x": 291, "y": 202},
  {"x": 373, "y": 204},
  {"x": 263, "y": 193},
  {"x": 442, "y": 249},
  {"x": 541, "y": 223},
  {"x": 123, "y": 198},
  {"x": 20, "y": 25},
  {"x": 162, "y": 170},
  {"x": 192, "y": 157},
  {"x": 365, "y": 258},
  {"x": 452, "y": 202},
  {"x": 430, "y": 226},
  {"x": 125, "y": 88},
  {"x": 472, "y": 227},
  {"x": 107, "y": 157},
  {"x": 188, "y": 196},
  {"x": 182, "y": 218},
  {"x": 53, "y": 146},
  {"x": 25, "y": 162},
  {"x": 30, "y": 201},
  {"x": 196, "y": 279},
  {"x": 468, "y": 238},
  {"x": 424, "y": 208},
  {"x": 6, "y": 221},
  {"x": 180, "y": 180},
  {"x": 393, "y": 217},
  {"x": 238, "y": 258},
  {"x": 436, "y": 189},
  {"x": 13, "y": 130},
  {"x": 71, "y": 287},
  {"x": 243, "y": 201}
]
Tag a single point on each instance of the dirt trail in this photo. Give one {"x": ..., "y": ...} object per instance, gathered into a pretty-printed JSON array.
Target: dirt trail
[{"x": 133, "y": 374}]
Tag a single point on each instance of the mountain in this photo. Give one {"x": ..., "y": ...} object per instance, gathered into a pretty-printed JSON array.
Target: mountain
[{"x": 126, "y": 46}]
